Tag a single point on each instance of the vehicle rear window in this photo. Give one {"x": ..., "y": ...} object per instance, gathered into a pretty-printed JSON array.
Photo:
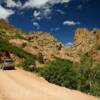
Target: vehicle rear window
[{"x": 8, "y": 61}]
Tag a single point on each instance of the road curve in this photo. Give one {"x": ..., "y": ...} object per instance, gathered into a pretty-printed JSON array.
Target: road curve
[{"x": 22, "y": 85}]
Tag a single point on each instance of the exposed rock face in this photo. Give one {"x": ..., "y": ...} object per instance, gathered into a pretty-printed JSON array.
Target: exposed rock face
[
  {"x": 95, "y": 54},
  {"x": 44, "y": 43},
  {"x": 85, "y": 41},
  {"x": 96, "y": 34}
]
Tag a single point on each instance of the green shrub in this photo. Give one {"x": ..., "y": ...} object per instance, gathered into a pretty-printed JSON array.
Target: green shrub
[
  {"x": 61, "y": 72},
  {"x": 29, "y": 59},
  {"x": 29, "y": 65},
  {"x": 98, "y": 47},
  {"x": 83, "y": 76},
  {"x": 89, "y": 76},
  {"x": 40, "y": 58}
]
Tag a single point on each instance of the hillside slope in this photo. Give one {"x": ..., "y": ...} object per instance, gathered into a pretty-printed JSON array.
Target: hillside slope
[
  {"x": 35, "y": 43},
  {"x": 44, "y": 44},
  {"x": 5, "y": 46}
]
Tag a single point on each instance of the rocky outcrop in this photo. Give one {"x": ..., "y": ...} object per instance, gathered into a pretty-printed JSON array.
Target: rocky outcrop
[
  {"x": 85, "y": 40},
  {"x": 96, "y": 34},
  {"x": 44, "y": 43}
]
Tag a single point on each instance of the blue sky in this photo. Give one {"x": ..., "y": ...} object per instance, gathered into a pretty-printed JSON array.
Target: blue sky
[{"x": 59, "y": 17}]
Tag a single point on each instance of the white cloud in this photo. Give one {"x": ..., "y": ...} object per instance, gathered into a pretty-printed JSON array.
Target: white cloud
[
  {"x": 58, "y": 1},
  {"x": 69, "y": 44},
  {"x": 43, "y": 13},
  {"x": 5, "y": 13},
  {"x": 36, "y": 13},
  {"x": 65, "y": 1},
  {"x": 12, "y": 3},
  {"x": 60, "y": 11},
  {"x": 35, "y": 3},
  {"x": 36, "y": 24},
  {"x": 47, "y": 12},
  {"x": 41, "y": 3},
  {"x": 70, "y": 23},
  {"x": 44, "y": 7},
  {"x": 38, "y": 18},
  {"x": 20, "y": 13}
]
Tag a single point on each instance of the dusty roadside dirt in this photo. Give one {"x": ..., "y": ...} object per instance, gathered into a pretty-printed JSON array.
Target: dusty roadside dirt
[{"x": 22, "y": 85}]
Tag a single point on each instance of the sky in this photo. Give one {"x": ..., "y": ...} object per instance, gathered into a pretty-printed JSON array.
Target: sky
[{"x": 58, "y": 17}]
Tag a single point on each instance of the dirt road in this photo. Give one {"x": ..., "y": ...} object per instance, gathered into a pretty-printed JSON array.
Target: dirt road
[{"x": 22, "y": 85}]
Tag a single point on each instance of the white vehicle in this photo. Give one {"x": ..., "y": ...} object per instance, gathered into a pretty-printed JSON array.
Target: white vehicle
[{"x": 8, "y": 64}]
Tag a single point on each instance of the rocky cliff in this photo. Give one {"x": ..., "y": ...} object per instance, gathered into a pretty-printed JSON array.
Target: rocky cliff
[
  {"x": 49, "y": 47},
  {"x": 86, "y": 41}
]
